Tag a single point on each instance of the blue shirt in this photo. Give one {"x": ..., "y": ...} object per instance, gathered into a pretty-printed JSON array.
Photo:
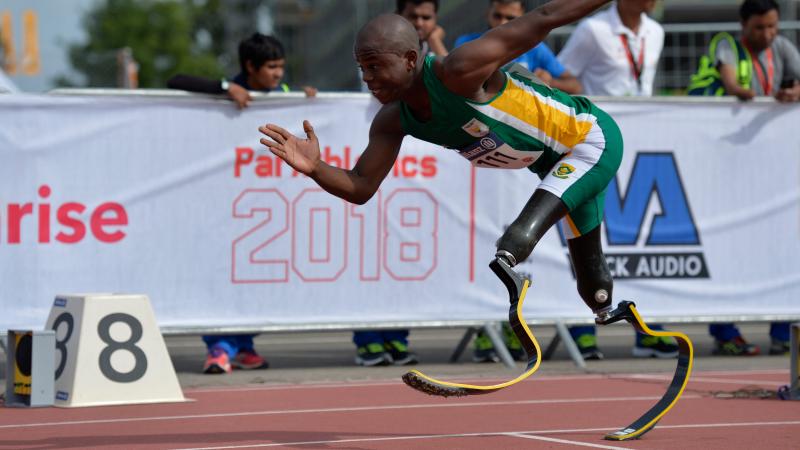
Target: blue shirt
[{"x": 539, "y": 57}]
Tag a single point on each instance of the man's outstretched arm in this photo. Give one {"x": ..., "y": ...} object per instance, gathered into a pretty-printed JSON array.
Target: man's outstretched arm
[
  {"x": 357, "y": 185},
  {"x": 467, "y": 67}
]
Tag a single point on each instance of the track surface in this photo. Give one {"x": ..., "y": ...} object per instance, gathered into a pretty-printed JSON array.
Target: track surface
[{"x": 556, "y": 412}]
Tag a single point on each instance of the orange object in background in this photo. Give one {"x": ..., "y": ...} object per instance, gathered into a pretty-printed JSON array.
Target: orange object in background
[{"x": 30, "y": 62}]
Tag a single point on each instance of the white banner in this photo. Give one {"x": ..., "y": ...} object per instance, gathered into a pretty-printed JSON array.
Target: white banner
[{"x": 175, "y": 198}]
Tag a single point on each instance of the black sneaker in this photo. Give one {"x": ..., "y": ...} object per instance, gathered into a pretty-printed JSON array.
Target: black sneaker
[
  {"x": 779, "y": 347},
  {"x": 484, "y": 350},
  {"x": 372, "y": 355},
  {"x": 400, "y": 354},
  {"x": 655, "y": 347},
  {"x": 587, "y": 344}
]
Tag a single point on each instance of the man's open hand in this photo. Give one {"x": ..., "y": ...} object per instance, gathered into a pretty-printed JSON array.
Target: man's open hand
[{"x": 301, "y": 154}]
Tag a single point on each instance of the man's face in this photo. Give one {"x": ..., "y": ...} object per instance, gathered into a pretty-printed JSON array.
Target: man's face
[
  {"x": 641, "y": 6},
  {"x": 422, "y": 16},
  {"x": 268, "y": 76},
  {"x": 759, "y": 31},
  {"x": 500, "y": 13},
  {"x": 387, "y": 75}
]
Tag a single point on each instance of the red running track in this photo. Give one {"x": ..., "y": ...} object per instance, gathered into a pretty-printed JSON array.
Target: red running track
[{"x": 544, "y": 412}]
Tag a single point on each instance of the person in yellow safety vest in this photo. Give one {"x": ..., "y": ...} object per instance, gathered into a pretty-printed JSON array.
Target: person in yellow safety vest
[
  {"x": 760, "y": 63},
  {"x": 707, "y": 81}
]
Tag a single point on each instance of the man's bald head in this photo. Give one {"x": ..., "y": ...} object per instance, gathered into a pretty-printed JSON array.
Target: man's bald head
[{"x": 387, "y": 33}]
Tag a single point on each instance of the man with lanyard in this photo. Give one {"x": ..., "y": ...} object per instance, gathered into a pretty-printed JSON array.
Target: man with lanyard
[
  {"x": 775, "y": 71},
  {"x": 775, "y": 60},
  {"x": 540, "y": 60},
  {"x": 495, "y": 118},
  {"x": 616, "y": 53}
]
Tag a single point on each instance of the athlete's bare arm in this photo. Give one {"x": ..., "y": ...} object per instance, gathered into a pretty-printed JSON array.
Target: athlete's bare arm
[
  {"x": 357, "y": 185},
  {"x": 468, "y": 67}
]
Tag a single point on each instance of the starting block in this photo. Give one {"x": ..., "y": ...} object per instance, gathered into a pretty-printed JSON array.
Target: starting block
[
  {"x": 29, "y": 363},
  {"x": 109, "y": 351}
]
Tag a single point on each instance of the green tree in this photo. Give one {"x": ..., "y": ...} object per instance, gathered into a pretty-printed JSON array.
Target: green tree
[{"x": 166, "y": 37}]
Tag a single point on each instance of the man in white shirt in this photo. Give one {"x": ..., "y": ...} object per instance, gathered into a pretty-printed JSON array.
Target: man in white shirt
[{"x": 616, "y": 51}]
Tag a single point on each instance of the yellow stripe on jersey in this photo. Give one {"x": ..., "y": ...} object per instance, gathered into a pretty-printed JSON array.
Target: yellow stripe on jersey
[{"x": 528, "y": 106}]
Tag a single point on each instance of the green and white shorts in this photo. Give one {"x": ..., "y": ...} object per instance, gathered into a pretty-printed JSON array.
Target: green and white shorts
[{"x": 581, "y": 176}]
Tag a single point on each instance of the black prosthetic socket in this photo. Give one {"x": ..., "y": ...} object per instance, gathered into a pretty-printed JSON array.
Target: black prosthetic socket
[
  {"x": 591, "y": 270},
  {"x": 541, "y": 212}
]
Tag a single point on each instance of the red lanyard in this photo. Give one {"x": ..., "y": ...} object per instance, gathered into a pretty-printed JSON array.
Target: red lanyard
[
  {"x": 636, "y": 67},
  {"x": 765, "y": 81}
]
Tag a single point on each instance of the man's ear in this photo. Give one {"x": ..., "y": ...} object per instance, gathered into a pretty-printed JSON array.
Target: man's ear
[
  {"x": 248, "y": 65},
  {"x": 411, "y": 59}
]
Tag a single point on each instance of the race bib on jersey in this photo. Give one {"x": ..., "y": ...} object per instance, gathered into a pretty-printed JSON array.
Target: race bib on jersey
[{"x": 492, "y": 152}]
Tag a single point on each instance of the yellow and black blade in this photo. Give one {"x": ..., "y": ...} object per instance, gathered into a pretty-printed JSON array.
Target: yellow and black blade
[
  {"x": 517, "y": 288},
  {"x": 627, "y": 311}
]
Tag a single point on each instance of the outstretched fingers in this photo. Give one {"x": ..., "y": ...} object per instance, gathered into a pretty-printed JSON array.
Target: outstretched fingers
[
  {"x": 274, "y": 147},
  {"x": 276, "y": 140},
  {"x": 276, "y": 133}
]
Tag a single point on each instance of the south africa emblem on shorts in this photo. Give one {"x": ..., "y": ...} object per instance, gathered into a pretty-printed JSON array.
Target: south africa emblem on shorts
[{"x": 563, "y": 171}]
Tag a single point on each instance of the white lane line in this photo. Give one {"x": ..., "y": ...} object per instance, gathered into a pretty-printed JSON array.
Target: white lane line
[
  {"x": 564, "y": 441},
  {"x": 702, "y": 379},
  {"x": 379, "y": 383},
  {"x": 499, "y": 433},
  {"x": 746, "y": 372},
  {"x": 542, "y": 378},
  {"x": 344, "y": 410}
]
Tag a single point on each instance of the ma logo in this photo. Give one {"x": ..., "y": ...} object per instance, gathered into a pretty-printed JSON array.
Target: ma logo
[{"x": 638, "y": 248}]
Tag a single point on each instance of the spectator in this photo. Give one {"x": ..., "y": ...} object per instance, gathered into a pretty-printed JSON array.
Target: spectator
[
  {"x": 616, "y": 53},
  {"x": 382, "y": 347},
  {"x": 540, "y": 60},
  {"x": 422, "y": 14},
  {"x": 262, "y": 61},
  {"x": 760, "y": 63}
]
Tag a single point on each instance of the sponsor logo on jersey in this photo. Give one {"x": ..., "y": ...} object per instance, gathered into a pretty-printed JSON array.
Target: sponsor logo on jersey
[
  {"x": 488, "y": 143},
  {"x": 476, "y": 128}
]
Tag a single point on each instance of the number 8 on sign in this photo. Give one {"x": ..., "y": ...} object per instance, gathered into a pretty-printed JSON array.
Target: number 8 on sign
[
  {"x": 109, "y": 351},
  {"x": 104, "y": 331}
]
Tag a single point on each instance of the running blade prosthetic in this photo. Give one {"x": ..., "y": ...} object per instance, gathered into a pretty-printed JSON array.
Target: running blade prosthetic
[
  {"x": 627, "y": 311},
  {"x": 517, "y": 288}
]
